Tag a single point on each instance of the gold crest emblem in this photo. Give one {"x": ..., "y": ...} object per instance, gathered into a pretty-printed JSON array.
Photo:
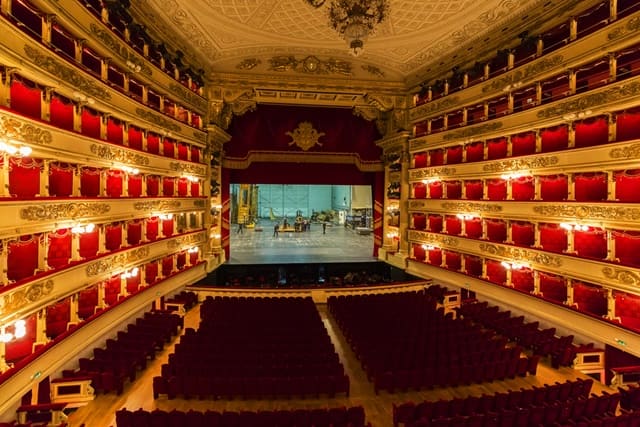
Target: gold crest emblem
[{"x": 305, "y": 136}]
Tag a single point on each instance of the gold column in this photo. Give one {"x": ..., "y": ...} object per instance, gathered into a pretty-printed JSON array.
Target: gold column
[
  {"x": 569, "y": 283},
  {"x": 611, "y": 186},
  {"x": 44, "y": 179}
]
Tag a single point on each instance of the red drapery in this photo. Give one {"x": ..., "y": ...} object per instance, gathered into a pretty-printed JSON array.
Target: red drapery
[
  {"x": 496, "y": 273},
  {"x": 419, "y": 191},
  {"x": 168, "y": 186},
  {"x": 436, "y": 157},
  {"x": 61, "y": 114},
  {"x": 473, "y": 265},
  {"x": 523, "y": 188},
  {"x": 454, "y": 225},
  {"x": 553, "y": 238},
  {"x": 182, "y": 187},
  {"x": 553, "y": 287},
  {"x": 627, "y": 244},
  {"x": 591, "y": 244},
  {"x": 134, "y": 185},
  {"x": 522, "y": 279},
  {"x": 90, "y": 182},
  {"x": 628, "y": 309},
  {"x": 115, "y": 131},
  {"x": 167, "y": 227},
  {"x": 19, "y": 348},
  {"x": 59, "y": 251},
  {"x": 61, "y": 179},
  {"x": 473, "y": 189},
  {"x": 90, "y": 123},
  {"x": 523, "y": 144},
  {"x": 153, "y": 143},
  {"x": 522, "y": 233},
  {"x": 496, "y": 189},
  {"x": 420, "y": 160},
  {"x": 454, "y": 189},
  {"x": 58, "y": 317},
  {"x": 195, "y": 189},
  {"x": 435, "y": 223},
  {"x": 590, "y": 187},
  {"x": 554, "y": 138},
  {"x": 135, "y": 137},
  {"x": 181, "y": 260},
  {"x": 167, "y": 266},
  {"x": 153, "y": 185},
  {"x": 151, "y": 272},
  {"x": 496, "y": 230},
  {"x": 26, "y": 97},
  {"x": 22, "y": 258},
  {"x": 152, "y": 228},
  {"x": 593, "y": 131},
  {"x": 113, "y": 236},
  {"x": 590, "y": 298},
  {"x": 454, "y": 155},
  {"x": 475, "y": 151},
  {"x": 473, "y": 228},
  {"x": 112, "y": 290},
  {"x": 24, "y": 177},
  {"x": 453, "y": 260},
  {"x": 419, "y": 253},
  {"x": 114, "y": 183},
  {"x": 435, "y": 190},
  {"x": 89, "y": 244},
  {"x": 183, "y": 151},
  {"x": 195, "y": 154},
  {"x": 133, "y": 284},
  {"x": 627, "y": 184},
  {"x": 419, "y": 221},
  {"x": 87, "y": 302},
  {"x": 168, "y": 147},
  {"x": 497, "y": 148},
  {"x": 554, "y": 188},
  {"x": 134, "y": 232},
  {"x": 628, "y": 125},
  {"x": 435, "y": 256}
]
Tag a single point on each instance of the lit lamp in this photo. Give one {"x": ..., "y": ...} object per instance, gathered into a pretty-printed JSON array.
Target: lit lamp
[{"x": 355, "y": 20}]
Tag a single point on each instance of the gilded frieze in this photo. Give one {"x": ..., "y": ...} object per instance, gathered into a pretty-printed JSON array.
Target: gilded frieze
[
  {"x": 631, "y": 27},
  {"x": 521, "y": 164},
  {"x": 529, "y": 71},
  {"x": 591, "y": 212},
  {"x": 417, "y": 174},
  {"x": 119, "y": 155},
  {"x": 185, "y": 240},
  {"x": 199, "y": 203},
  {"x": 122, "y": 260},
  {"x": 310, "y": 64},
  {"x": 627, "y": 152},
  {"x": 63, "y": 211},
  {"x": 25, "y": 295},
  {"x": 432, "y": 238},
  {"x": 187, "y": 168},
  {"x": 23, "y": 131},
  {"x": 591, "y": 100},
  {"x": 157, "y": 119},
  {"x": 470, "y": 132},
  {"x": 202, "y": 137},
  {"x": 626, "y": 277},
  {"x": 471, "y": 207},
  {"x": 428, "y": 108},
  {"x": 79, "y": 82},
  {"x": 519, "y": 254},
  {"x": 156, "y": 205},
  {"x": 417, "y": 204},
  {"x": 120, "y": 49},
  {"x": 189, "y": 96}
]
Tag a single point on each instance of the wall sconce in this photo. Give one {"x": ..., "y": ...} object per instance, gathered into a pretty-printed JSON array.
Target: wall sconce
[
  {"x": 575, "y": 227},
  {"x": 19, "y": 331},
  {"x": 134, "y": 67},
  {"x": 428, "y": 247},
  {"x": 193, "y": 250},
  {"x": 515, "y": 175},
  {"x": 431, "y": 180},
  {"x": 130, "y": 274},
  {"x": 130, "y": 170},
  {"x": 165, "y": 216},
  {"x": 392, "y": 235},
  {"x": 81, "y": 229},
  {"x": 12, "y": 150},
  {"x": 191, "y": 178},
  {"x": 577, "y": 116},
  {"x": 465, "y": 216},
  {"x": 82, "y": 98},
  {"x": 514, "y": 265}
]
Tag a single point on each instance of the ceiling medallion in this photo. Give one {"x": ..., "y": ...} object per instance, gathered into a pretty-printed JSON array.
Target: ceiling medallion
[
  {"x": 311, "y": 65},
  {"x": 305, "y": 136}
]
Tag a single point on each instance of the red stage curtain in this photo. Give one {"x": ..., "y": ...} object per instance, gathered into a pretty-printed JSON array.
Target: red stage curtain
[
  {"x": 90, "y": 123},
  {"x": 419, "y": 191},
  {"x": 59, "y": 251},
  {"x": 497, "y": 148},
  {"x": 153, "y": 143},
  {"x": 152, "y": 228},
  {"x": 168, "y": 147},
  {"x": 627, "y": 184},
  {"x": 19, "y": 348},
  {"x": 419, "y": 221},
  {"x": 90, "y": 182},
  {"x": 114, "y": 183},
  {"x": 496, "y": 230},
  {"x": 112, "y": 290},
  {"x": 554, "y": 138},
  {"x": 627, "y": 244},
  {"x": 522, "y": 233},
  {"x": 134, "y": 232},
  {"x": 153, "y": 185},
  {"x": 435, "y": 256},
  {"x": 24, "y": 177},
  {"x": 195, "y": 189},
  {"x": 590, "y": 298},
  {"x": 453, "y": 260},
  {"x": 151, "y": 272},
  {"x": 435, "y": 190},
  {"x": 473, "y": 228},
  {"x": 115, "y": 131},
  {"x": 496, "y": 189},
  {"x": 167, "y": 186},
  {"x": 420, "y": 160},
  {"x": 454, "y": 155},
  {"x": 454, "y": 225},
  {"x": 522, "y": 279},
  {"x": 590, "y": 187},
  {"x": 133, "y": 284},
  {"x": 523, "y": 188},
  {"x": 113, "y": 236},
  {"x": 134, "y": 185},
  {"x": 167, "y": 266},
  {"x": 167, "y": 227},
  {"x": 523, "y": 144},
  {"x": 61, "y": 179},
  {"x": 553, "y": 238},
  {"x": 475, "y": 151},
  {"x": 22, "y": 259},
  {"x": 182, "y": 187},
  {"x": 591, "y": 244},
  {"x": 58, "y": 317},
  {"x": 454, "y": 189},
  {"x": 61, "y": 114},
  {"x": 195, "y": 154},
  {"x": 135, "y": 137},
  {"x": 26, "y": 97},
  {"x": 554, "y": 188},
  {"x": 419, "y": 253},
  {"x": 628, "y": 309},
  {"x": 435, "y": 223},
  {"x": 553, "y": 287},
  {"x": 590, "y": 132},
  {"x": 496, "y": 272},
  {"x": 436, "y": 157},
  {"x": 473, "y": 190},
  {"x": 628, "y": 125},
  {"x": 183, "y": 151},
  {"x": 89, "y": 244},
  {"x": 473, "y": 265},
  {"x": 87, "y": 302}
]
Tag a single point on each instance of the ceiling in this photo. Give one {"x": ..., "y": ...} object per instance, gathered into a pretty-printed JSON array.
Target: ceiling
[{"x": 291, "y": 42}]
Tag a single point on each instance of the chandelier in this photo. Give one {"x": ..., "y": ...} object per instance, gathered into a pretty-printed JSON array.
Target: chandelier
[{"x": 354, "y": 20}]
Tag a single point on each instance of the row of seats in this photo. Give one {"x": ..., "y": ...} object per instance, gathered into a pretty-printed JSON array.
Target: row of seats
[{"x": 188, "y": 298}]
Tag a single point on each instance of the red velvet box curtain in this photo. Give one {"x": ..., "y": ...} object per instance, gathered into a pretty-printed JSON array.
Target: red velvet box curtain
[
  {"x": 628, "y": 309},
  {"x": 454, "y": 225},
  {"x": 183, "y": 187},
  {"x": 61, "y": 112},
  {"x": 454, "y": 189},
  {"x": 591, "y": 243},
  {"x": 628, "y": 125},
  {"x": 523, "y": 188},
  {"x": 89, "y": 244},
  {"x": 453, "y": 260},
  {"x": 90, "y": 122},
  {"x": 87, "y": 302},
  {"x": 590, "y": 187},
  {"x": 152, "y": 228},
  {"x": 590, "y": 298},
  {"x": 112, "y": 288},
  {"x": 58, "y": 317},
  {"x": 553, "y": 287},
  {"x": 496, "y": 272},
  {"x": 61, "y": 179},
  {"x": 168, "y": 147},
  {"x": 627, "y": 184},
  {"x": 522, "y": 233},
  {"x": 420, "y": 160},
  {"x": 134, "y": 232},
  {"x": 419, "y": 254},
  {"x": 590, "y": 132},
  {"x": 554, "y": 188},
  {"x": 90, "y": 182},
  {"x": 114, "y": 183},
  {"x": 435, "y": 190},
  {"x": 435, "y": 223},
  {"x": 435, "y": 256},
  {"x": 523, "y": 144},
  {"x": 59, "y": 252},
  {"x": 153, "y": 186},
  {"x": 627, "y": 246},
  {"x": 167, "y": 266},
  {"x": 454, "y": 155},
  {"x": 473, "y": 228},
  {"x": 496, "y": 230},
  {"x": 553, "y": 238},
  {"x": 473, "y": 190},
  {"x": 475, "y": 151},
  {"x": 419, "y": 191},
  {"x": 554, "y": 138},
  {"x": 473, "y": 265},
  {"x": 24, "y": 177},
  {"x": 115, "y": 131},
  {"x": 153, "y": 143},
  {"x": 419, "y": 221},
  {"x": 436, "y": 157},
  {"x": 134, "y": 185},
  {"x": 496, "y": 189},
  {"x": 497, "y": 148},
  {"x": 113, "y": 236},
  {"x": 167, "y": 227},
  {"x": 522, "y": 279},
  {"x": 195, "y": 154},
  {"x": 151, "y": 272},
  {"x": 168, "y": 186},
  {"x": 19, "y": 348},
  {"x": 133, "y": 284},
  {"x": 135, "y": 137},
  {"x": 26, "y": 97},
  {"x": 22, "y": 258}
]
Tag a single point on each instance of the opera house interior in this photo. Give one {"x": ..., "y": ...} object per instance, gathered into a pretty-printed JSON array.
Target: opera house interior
[{"x": 497, "y": 146}]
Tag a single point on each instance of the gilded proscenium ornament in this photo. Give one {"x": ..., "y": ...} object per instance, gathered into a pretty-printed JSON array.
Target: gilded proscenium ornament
[
  {"x": 79, "y": 82},
  {"x": 185, "y": 240},
  {"x": 591, "y": 100},
  {"x": 541, "y": 66},
  {"x": 520, "y": 164},
  {"x": 187, "y": 168},
  {"x": 310, "y": 64},
  {"x": 63, "y": 211},
  {"x": 626, "y": 277},
  {"x": 590, "y": 212},
  {"x": 156, "y": 205},
  {"x": 114, "y": 262},
  {"x": 118, "y": 155},
  {"x": 157, "y": 119},
  {"x": 437, "y": 239},
  {"x": 632, "y": 26},
  {"x": 519, "y": 254},
  {"x": 120, "y": 49},
  {"x": 627, "y": 152},
  {"x": 471, "y": 207},
  {"x": 478, "y": 130},
  {"x": 417, "y": 174},
  {"x": 25, "y": 295},
  {"x": 305, "y": 136},
  {"x": 23, "y": 131}
]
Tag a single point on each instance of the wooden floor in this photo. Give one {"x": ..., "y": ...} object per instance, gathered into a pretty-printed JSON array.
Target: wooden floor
[{"x": 378, "y": 408}]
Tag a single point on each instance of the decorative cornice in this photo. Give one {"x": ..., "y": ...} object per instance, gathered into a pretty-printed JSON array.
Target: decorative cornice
[
  {"x": 521, "y": 164},
  {"x": 519, "y": 254},
  {"x": 529, "y": 71},
  {"x": 25, "y": 295},
  {"x": 187, "y": 168},
  {"x": 471, "y": 207},
  {"x": 185, "y": 240},
  {"x": 23, "y": 131},
  {"x": 589, "y": 211},
  {"x": 199, "y": 203},
  {"x": 118, "y": 155},
  {"x": 189, "y": 96},
  {"x": 63, "y": 211},
  {"x": 591, "y": 100},
  {"x": 416, "y": 174},
  {"x": 202, "y": 137},
  {"x": 417, "y": 204},
  {"x": 430, "y": 107},
  {"x": 631, "y": 27},
  {"x": 628, "y": 152},
  {"x": 109, "y": 264},
  {"x": 302, "y": 157},
  {"x": 74, "y": 78},
  {"x": 120, "y": 49},
  {"x": 626, "y": 277},
  {"x": 158, "y": 120},
  {"x": 156, "y": 205},
  {"x": 310, "y": 65},
  {"x": 438, "y": 239},
  {"x": 473, "y": 131}
]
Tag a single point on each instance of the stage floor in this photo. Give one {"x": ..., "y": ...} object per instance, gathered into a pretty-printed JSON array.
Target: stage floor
[{"x": 339, "y": 244}]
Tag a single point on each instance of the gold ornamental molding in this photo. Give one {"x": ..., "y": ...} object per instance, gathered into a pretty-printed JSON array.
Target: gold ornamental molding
[
  {"x": 627, "y": 152},
  {"x": 118, "y": 155},
  {"x": 588, "y": 211},
  {"x": 158, "y": 120},
  {"x": 68, "y": 74},
  {"x": 437, "y": 239},
  {"x": 156, "y": 205},
  {"x": 626, "y": 277},
  {"x": 591, "y": 100},
  {"x": 115, "y": 262},
  {"x": 187, "y": 168},
  {"x": 541, "y": 66},
  {"x": 430, "y": 107},
  {"x": 470, "y": 132},
  {"x": 24, "y": 295},
  {"x": 189, "y": 96},
  {"x": 119, "y": 49},
  {"x": 200, "y": 203},
  {"x": 13, "y": 128},
  {"x": 519, "y": 254},
  {"x": 310, "y": 65},
  {"x": 300, "y": 157},
  {"x": 521, "y": 164},
  {"x": 417, "y": 204},
  {"x": 471, "y": 207},
  {"x": 416, "y": 174},
  {"x": 185, "y": 240},
  {"x": 63, "y": 211},
  {"x": 631, "y": 27},
  {"x": 305, "y": 136}
]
